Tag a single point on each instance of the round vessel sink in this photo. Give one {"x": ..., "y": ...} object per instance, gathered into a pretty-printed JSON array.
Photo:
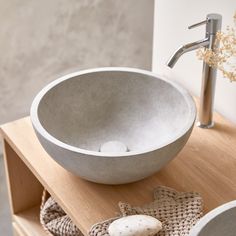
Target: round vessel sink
[
  {"x": 113, "y": 125},
  {"x": 218, "y": 222}
]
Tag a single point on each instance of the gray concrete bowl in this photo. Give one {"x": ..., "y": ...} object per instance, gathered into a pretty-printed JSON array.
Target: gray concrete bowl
[
  {"x": 218, "y": 222},
  {"x": 77, "y": 114}
]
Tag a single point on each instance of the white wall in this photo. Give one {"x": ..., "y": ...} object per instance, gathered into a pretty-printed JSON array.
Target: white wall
[{"x": 170, "y": 31}]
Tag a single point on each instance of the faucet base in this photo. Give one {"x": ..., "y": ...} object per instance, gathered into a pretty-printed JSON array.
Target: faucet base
[{"x": 205, "y": 126}]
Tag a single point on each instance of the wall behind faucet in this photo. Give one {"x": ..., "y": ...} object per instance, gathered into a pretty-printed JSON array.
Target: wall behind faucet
[{"x": 170, "y": 31}]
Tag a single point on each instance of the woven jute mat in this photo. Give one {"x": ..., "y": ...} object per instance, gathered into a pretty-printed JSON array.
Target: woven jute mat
[{"x": 178, "y": 212}]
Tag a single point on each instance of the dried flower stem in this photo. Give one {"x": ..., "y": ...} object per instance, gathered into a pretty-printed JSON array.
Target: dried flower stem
[{"x": 223, "y": 57}]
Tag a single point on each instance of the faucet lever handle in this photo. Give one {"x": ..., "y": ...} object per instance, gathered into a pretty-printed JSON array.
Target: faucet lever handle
[{"x": 198, "y": 24}]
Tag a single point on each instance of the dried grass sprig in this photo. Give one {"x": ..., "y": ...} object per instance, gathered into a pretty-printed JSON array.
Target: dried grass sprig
[{"x": 223, "y": 57}]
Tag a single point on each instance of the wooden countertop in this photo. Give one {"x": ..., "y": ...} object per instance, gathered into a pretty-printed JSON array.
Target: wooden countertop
[{"x": 207, "y": 164}]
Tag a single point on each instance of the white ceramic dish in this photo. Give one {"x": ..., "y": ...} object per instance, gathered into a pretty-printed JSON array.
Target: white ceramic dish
[{"x": 218, "y": 222}]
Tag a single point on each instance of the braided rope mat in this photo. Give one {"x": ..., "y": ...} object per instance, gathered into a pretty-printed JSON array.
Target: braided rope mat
[{"x": 178, "y": 212}]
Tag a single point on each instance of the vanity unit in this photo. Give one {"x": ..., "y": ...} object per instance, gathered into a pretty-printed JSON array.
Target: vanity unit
[{"x": 207, "y": 164}]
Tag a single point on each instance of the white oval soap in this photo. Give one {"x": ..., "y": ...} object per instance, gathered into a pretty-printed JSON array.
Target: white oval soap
[{"x": 135, "y": 225}]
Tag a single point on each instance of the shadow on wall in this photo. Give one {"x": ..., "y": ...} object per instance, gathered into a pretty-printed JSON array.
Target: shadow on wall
[{"x": 41, "y": 40}]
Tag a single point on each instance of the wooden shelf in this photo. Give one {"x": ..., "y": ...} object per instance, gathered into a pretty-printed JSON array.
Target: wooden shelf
[
  {"x": 17, "y": 231},
  {"x": 27, "y": 223},
  {"x": 207, "y": 164}
]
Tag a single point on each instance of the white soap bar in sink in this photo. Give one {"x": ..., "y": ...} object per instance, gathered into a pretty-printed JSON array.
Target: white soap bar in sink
[{"x": 135, "y": 225}]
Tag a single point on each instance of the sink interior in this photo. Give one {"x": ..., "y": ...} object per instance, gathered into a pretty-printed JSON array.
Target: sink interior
[{"x": 92, "y": 109}]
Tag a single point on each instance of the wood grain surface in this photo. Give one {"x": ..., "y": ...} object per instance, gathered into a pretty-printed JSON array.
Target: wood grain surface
[{"x": 207, "y": 164}]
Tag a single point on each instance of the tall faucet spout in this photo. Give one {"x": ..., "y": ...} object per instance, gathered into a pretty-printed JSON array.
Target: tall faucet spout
[
  {"x": 213, "y": 25},
  {"x": 186, "y": 48}
]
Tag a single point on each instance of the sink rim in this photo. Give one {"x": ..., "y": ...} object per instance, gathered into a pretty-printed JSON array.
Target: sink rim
[
  {"x": 44, "y": 133},
  {"x": 205, "y": 220}
]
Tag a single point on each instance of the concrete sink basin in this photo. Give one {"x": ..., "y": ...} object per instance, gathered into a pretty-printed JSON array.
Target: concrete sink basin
[
  {"x": 218, "y": 222},
  {"x": 113, "y": 125}
]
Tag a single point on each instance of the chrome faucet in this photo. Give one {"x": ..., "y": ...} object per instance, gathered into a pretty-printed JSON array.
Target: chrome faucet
[{"x": 213, "y": 24}]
